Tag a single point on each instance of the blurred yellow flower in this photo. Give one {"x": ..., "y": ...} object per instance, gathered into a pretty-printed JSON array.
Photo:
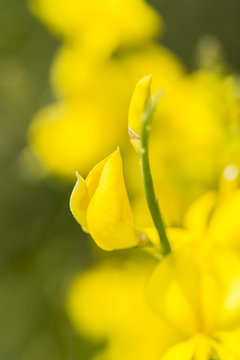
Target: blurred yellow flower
[
  {"x": 224, "y": 226},
  {"x": 105, "y": 52},
  {"x": 197, "y": 289},
  {"x": 192, "y": 309},
  {"x": 216, "y": 214},
  {"x": 113, "y": 77},
  {"x": 96, "y": 129},
  {"x": 193, "y": 291},
  {"x": 108, "y": 303},
  {"x": 71, "y": 135},
  {"x": 107, "y": 46},
  {"x": 194, "y": 136},
  {"x": 111, "y": 21},
  {"x": 101, "y": 206}
]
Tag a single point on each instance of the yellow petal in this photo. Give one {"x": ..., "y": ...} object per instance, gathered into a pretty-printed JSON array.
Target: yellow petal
[
  {"x": 79, "y": 202},
  {"x": 198, "y": 347},
  {"x": 225, "y": 225},
  {"x": 94, "y": 175},
  {"x": 179, "y": 237},
  {"x": 197, "y": 289},
  {"x": 137, "y": 108},
  {"x": 167, "y": 293},
  {"x": 183, "y": 351},
  {"x": 99, "y": 22},
  {"x": 224, "y": 353},
  {"x": 229, "y": 344},
  {"x": 198, "y": 215},
  {"x": 152, "y": 235},
  {"x": 109, "y": 216},
  {"x": 119, "y": 312},
  {"x": 56, "y": 135},
  {"x": 204, "y": 348}
]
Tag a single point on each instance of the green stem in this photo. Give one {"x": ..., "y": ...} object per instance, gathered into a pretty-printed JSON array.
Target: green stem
[{"x": 148, "y": 182}]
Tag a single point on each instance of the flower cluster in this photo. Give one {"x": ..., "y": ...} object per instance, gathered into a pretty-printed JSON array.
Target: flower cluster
[
  {"x": 191, "y": 306},
  {"x": 106, "y": 47},
  {"x": 183, "y": 302}
]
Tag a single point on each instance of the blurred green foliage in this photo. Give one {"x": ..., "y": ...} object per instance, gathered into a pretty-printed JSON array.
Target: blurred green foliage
[
  {"x": 42, "y": 247},
  {"x": 188, "y": 20}
]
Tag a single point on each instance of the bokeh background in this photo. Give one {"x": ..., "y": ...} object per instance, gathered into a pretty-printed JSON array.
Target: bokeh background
[{"x": 42, "y": 247}]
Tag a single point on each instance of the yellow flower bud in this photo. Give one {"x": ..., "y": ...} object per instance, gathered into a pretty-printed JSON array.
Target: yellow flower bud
[
  {"x": 101, "y": 206},
  {"x": 140, "y": 98}
]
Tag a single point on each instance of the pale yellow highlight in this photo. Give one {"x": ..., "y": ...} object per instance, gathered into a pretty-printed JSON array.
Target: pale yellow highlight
[{"x": 79, "y": 201}]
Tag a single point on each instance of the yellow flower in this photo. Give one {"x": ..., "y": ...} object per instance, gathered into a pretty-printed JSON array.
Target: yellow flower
[
  {"x": 197, "y": 290},
  {"x": 119, "y": 314},
  {"x": 107, "y": 46},
  {"x": 207, "y": 293},
  {"x": 103, "y": 24},
  {"x": 195, "y": 129},
  {"x": 216, "y": 214},
  {"x": 101, "y": 205},
  {"x": 192, "y": 307},
  {"x": 113, "y": 77},
  {"x": 107, "y": 84},
  {"x": 194, "y": 135},
  {"x": 71, "y": 135}
]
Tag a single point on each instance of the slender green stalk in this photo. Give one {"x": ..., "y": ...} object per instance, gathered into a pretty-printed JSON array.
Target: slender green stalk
[{"x": 152, "y": 201}]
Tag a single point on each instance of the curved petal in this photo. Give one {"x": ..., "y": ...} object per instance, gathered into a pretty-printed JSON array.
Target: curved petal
[
  {"x": 197, "y": 217},
  {"x": 94, "y": 175},
  {"x": 183, "y": 351},
  {"x": 79, "y": 202},
  {"x": 224, "y": 353},
  {"x": 109, "y": 216},
  {"x": 108, "y": 302},
  {"x": 225, "y": 225},
  {"x": 229, "y": 344}
]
